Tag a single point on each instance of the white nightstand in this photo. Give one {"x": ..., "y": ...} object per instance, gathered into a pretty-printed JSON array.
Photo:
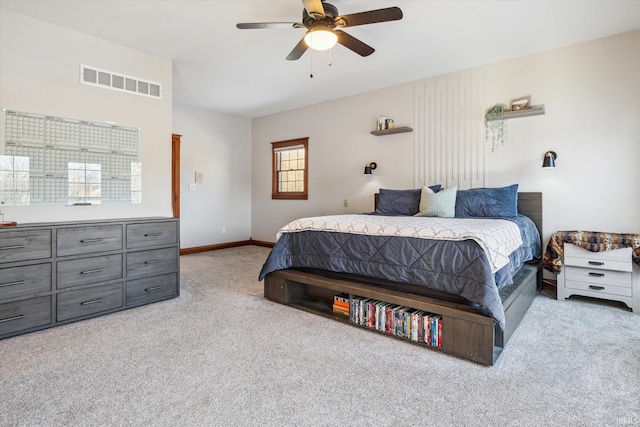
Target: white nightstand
[{"x": 607, "y": 275}]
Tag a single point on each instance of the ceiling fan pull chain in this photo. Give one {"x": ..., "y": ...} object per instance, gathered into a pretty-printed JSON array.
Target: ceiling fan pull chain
[
  {"x": 330, "y": 62},
  {"x": 311, "y": 66}
]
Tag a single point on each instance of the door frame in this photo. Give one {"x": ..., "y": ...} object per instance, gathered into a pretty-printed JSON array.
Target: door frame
[{"x": 175, "y": 174}]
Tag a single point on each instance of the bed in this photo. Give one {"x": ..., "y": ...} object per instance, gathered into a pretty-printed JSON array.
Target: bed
[{"x": 480, "y": 296}]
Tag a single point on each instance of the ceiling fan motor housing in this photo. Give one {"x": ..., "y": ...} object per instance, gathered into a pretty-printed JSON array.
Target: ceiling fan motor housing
[{"x": 330, "y": 13}]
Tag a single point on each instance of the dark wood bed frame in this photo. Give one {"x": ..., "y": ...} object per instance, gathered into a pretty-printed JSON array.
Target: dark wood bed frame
[{"x": 466, "y": 332}]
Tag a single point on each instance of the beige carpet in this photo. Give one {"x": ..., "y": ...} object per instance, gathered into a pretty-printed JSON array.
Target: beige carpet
[{"x": 222, "y": 355}]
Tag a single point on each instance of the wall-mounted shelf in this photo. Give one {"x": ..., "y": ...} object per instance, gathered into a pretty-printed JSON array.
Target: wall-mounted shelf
[
  {"x": 534, "y": 110},
  {"x": 400, "y": 129}
]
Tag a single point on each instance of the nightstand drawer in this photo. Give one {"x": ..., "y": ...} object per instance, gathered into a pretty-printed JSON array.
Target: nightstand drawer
[
  {"x": 91, "y": 239},
  {"x": 152, "y": 234},
  {"x": 20, "y": 315},
  {"x": 601, "y": 288},
  {"x": 25, "y": 280},
  {"x": 89, "y": 301},
  {"x": 617, "y": 259},
  {"x": 83, "y": 271},
  {"x": 25, "y": 245},
  {"x": 597, "y": 277}
]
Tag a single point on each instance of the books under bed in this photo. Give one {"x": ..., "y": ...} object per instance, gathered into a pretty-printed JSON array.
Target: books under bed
[{"x": 463, "y": 265}]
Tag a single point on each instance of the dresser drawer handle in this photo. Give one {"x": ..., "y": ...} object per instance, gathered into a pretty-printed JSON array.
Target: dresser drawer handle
[
  {"x": 153, "y": 288},
  {"x": 597, "y": 288},
  {"x": 153, "y": 234},
  {"x": 93, "y": 301},
  {"x": 19, "y": 282},
  {"x": 97, "y": 270},
  {"x": 596, "y": 274},
  {"x": 596, "y": 263},
  {"x": 9, "y": 319},
  {"x": 91, "y": 240},
  {"x": 153, "y": 261},
  {"x": 14, "y": 247}
]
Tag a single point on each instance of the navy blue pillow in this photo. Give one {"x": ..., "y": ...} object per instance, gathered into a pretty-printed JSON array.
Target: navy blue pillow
[
  {"x": 499, "y": 202},
  {"x": 401, "y": 202}
]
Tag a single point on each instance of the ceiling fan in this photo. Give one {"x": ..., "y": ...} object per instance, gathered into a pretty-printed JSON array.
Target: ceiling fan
[{"x": 324, "y": 27}]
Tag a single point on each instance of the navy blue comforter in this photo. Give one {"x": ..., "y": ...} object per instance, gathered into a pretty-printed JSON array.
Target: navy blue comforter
[{"x": 456, "y": 267}]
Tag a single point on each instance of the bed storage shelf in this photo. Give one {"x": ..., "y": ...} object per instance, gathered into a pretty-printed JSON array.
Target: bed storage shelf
[{"x": 465, "y": 332}]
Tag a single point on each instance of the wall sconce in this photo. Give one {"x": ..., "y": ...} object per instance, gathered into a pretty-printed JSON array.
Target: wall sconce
[
  {"x": 368, "y": 168},
  {"x": 549, "y": 160}
]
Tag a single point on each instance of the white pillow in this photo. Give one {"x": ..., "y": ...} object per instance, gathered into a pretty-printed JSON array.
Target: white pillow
[{"x": 442, "y": 203}]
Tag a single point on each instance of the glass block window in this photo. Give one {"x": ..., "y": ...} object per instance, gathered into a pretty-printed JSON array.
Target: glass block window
[{"x": 290, "y": 169}]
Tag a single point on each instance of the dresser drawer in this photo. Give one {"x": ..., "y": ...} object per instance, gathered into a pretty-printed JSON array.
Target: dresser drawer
[
  {"x": 85, "y": 240},
  {"x": 151, "y": 262},
  {"x": 597, "y": 276},
  {"x": 88, "y": 301},
  {"x": 21, "y": 315},
  {"x": 82, "y": 271},
  {"x": 152, "y": 234},
  {"x": 25, "y": 245},
  {"x": 150, "y": 289},
  {"x": 618, "y": 259},
  {"x": 600, "y": 288},
  {"x": 25, "y": 280}
]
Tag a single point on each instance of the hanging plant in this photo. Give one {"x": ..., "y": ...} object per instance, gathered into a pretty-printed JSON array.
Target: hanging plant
[{"x": 494, "y": 125}]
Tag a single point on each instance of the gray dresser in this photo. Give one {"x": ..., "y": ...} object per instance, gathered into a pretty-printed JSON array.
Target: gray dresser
[{"x": 56, "y": 273}]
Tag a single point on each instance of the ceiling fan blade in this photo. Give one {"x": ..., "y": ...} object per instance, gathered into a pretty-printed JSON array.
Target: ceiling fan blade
[
  {"x": 354, "y": 44},
  {"x": 370, "y": 17},
  {"x": 297, "y": 51},
  {"x": 314, "y": 8},
  {"x": 277, "y": 25}
]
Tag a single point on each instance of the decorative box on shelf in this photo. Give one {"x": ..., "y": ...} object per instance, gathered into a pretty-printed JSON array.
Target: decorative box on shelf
[{"x": 386, "y": 126}]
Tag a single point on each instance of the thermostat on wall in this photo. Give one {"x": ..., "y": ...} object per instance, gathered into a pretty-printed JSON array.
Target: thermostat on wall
[{"x": 199, "y": 177}]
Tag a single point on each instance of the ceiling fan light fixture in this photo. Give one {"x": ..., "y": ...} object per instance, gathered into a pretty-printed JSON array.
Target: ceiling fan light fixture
[{"x": 320, "y": 38}]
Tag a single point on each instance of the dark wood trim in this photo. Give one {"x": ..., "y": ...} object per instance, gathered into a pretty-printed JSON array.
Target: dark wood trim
[
  {"x": 275, "y": 193},
  {"x": 207, "y": 248},
  {"x": 262, "y": 243},
  {"x": 289, "y": 196},
  {"x": 227, "y": 245},
  {"x": 175, "y": 175}
]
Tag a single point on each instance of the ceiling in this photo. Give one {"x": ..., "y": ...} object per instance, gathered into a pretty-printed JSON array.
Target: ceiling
[{"x": 244, "y": 72}]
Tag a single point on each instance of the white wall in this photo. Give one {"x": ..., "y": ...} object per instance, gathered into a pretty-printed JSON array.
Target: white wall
[
  {"x": 219, "y": 145},
  {"x": 39, "y": 73},
  {"x": 339, "y": 147},
  {"x": 591, "y": 93}
]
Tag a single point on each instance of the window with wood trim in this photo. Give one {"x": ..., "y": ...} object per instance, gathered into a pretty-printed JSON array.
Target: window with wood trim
[{"x": 290, "y": 169}]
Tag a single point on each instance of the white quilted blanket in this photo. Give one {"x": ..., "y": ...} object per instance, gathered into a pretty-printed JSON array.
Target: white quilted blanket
[{"x": 497, "y": 237}]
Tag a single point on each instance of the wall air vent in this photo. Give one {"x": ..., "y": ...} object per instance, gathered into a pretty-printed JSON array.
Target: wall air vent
[{"x": 109, "y": 80}]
